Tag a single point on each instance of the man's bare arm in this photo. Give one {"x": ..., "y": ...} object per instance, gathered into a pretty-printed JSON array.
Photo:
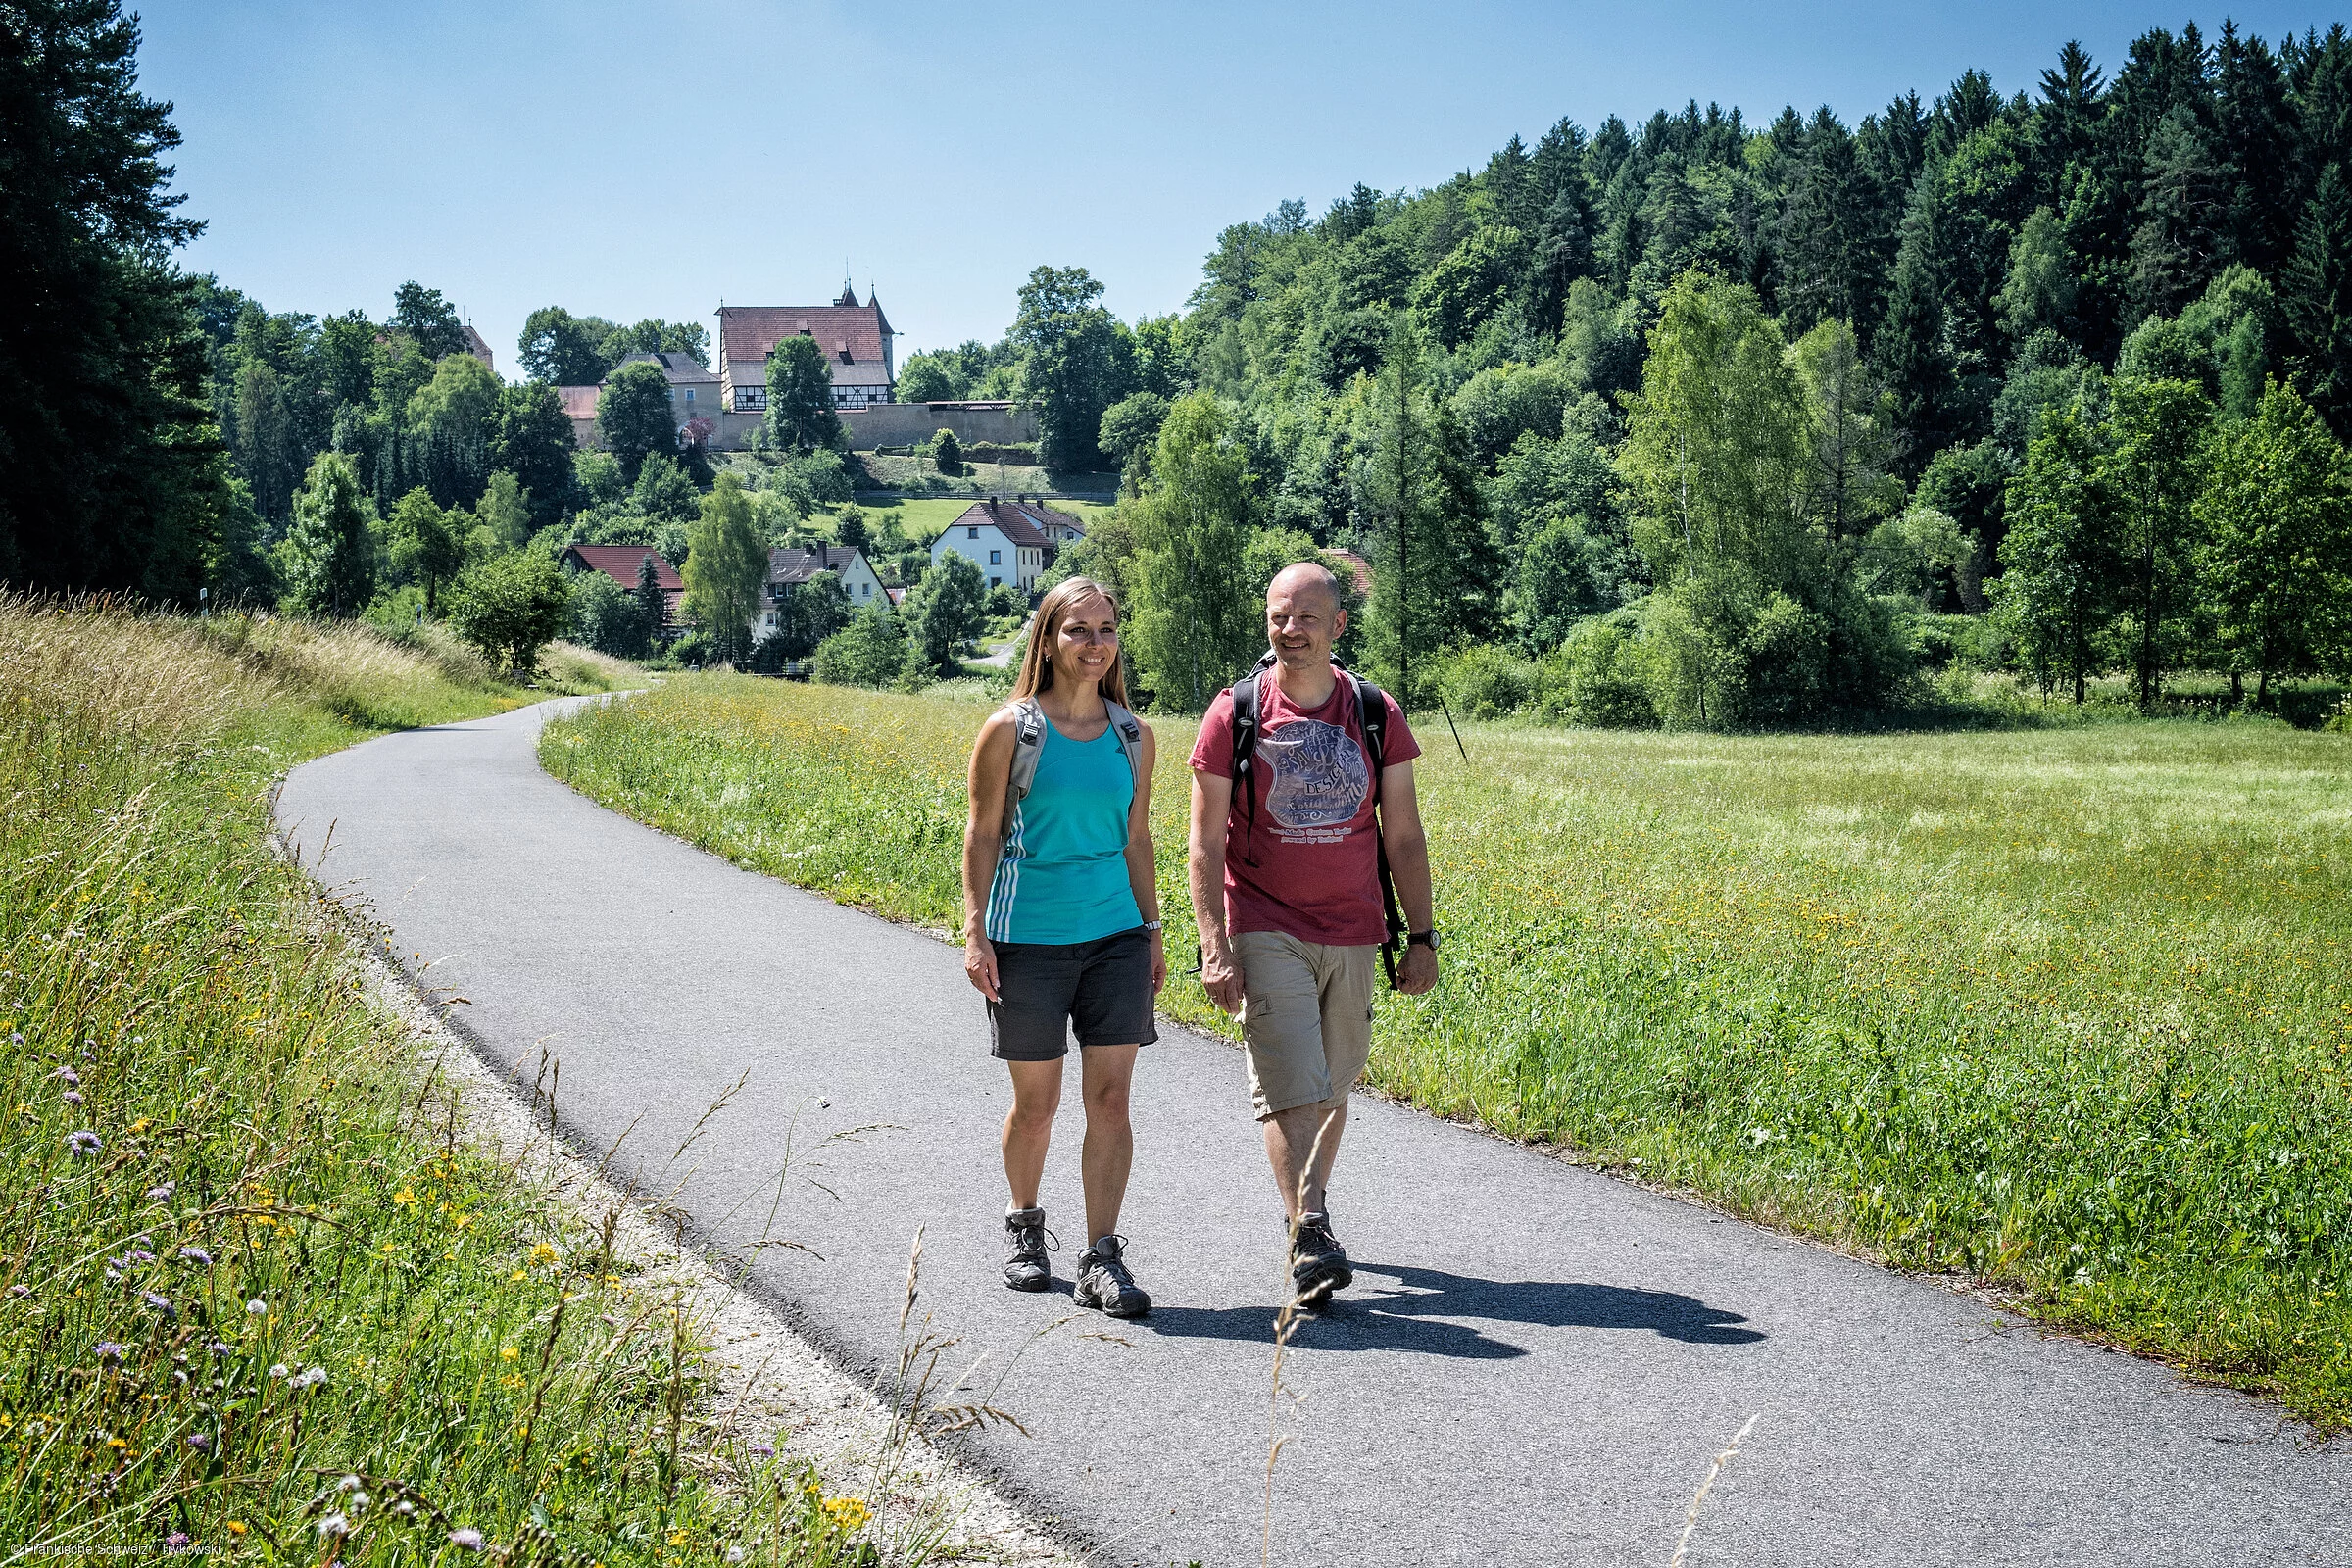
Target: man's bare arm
[
  {"x": 1220, "y": 973},
  {"x": 1401, "y": 834}
]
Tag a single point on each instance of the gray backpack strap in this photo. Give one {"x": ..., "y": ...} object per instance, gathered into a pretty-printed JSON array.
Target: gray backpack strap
[
  {"x": 1028, "y": 744},
  {"x": 1131, "y": 737}
]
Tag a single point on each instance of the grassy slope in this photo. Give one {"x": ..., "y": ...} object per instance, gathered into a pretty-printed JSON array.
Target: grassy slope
[
  {"x": 2062, "y": 1009},
  {"x": 259, "y": 1272}
]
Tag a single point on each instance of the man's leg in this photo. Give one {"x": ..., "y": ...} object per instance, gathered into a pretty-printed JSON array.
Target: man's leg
[
  {"x": 1343, "y": 996},
  {"x": 1289, "y": 1081},
  {"x": 1029, "y": 1126},
  {"x": 1294, "y": 1138},
  {"x": 1107, "y": 1073}
]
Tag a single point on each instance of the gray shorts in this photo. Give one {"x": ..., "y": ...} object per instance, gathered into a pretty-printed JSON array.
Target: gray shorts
[
  {"x": 1307, "y": 1018},
  {"x": 1101, "y": 988}
]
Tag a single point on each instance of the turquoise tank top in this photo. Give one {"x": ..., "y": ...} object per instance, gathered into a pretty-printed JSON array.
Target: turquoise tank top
[{"x": 1063, "y": 875}]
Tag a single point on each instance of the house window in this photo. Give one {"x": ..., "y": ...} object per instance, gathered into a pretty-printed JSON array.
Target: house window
[
  {"x": 865, "y": 590},
  {"x": 995, "y": 557},
  {"x": 996, "y": 582},
  {"x": 751, "y": 399},
  {"x": 690, "y": 394},
  {"x": 972, "y": 533}
]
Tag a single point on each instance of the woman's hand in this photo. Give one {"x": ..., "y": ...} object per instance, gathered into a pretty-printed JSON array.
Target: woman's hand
[
  {"x": 980, "y": 965},
  {"x": 1159, "y": 963}
]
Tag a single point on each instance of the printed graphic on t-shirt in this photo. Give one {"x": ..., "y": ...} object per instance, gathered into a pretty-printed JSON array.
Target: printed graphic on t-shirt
[{"x": 1316, "y": 780}]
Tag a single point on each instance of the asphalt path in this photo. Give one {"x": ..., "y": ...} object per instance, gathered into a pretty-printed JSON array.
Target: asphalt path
[{"x": 1536, "y": 1365}]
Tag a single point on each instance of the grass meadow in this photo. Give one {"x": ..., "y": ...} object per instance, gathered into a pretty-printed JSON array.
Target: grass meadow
[
  {"x": 2062, "y": 1011},
  {"x": 257, "y": 1297}
]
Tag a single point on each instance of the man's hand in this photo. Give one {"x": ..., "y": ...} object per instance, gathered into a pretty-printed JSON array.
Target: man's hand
[
  {"x": 1221, "y": 978},
  {"x": 1417, "y": 970}
]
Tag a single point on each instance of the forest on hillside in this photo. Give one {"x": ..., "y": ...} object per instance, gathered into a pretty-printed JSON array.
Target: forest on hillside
[{"x": 2078, "y": 355}]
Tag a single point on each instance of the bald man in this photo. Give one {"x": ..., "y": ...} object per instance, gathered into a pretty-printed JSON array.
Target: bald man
[{"x": 1285, "y": 890}]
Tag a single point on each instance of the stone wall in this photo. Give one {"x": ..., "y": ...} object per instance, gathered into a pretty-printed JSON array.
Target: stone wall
[{"x": 898, "y": 424}]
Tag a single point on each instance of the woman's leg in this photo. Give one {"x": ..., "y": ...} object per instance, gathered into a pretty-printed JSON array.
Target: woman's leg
[
  {"x": 1106, "y": 1072},
  {"x": 1029, "y": 1126}
]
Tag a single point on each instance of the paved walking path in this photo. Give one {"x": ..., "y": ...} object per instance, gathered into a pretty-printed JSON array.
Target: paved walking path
[{"x": 1535, "y": 1366}]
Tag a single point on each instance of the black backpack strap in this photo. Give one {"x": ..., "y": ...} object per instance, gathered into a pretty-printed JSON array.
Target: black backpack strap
[
  {"x": 1244, "y": 759},
  {"x": 1372, "y": 712}
]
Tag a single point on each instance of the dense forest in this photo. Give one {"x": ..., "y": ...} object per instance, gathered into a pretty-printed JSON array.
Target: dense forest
[{"x": 1796, "y": 393}]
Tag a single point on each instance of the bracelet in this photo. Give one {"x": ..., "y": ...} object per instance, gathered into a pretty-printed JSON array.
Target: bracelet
[{"x": 1153, "y": 925}]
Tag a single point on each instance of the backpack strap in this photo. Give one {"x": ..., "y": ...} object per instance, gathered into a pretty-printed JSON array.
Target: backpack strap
[
  {"x": 1372, "y": 712},
  {"x": 1130, "y": 731},
  {"x": 1028, "y": 744},
  {"x": 1247, "y": 721}
]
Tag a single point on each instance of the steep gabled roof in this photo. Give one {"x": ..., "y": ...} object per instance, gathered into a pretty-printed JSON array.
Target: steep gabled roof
[
  {"x": 798, "y": 566},
  {"x": 1008, "y": 518},
  {"x": 749, "y": 333},
  {"x": 620, "y": 562}
]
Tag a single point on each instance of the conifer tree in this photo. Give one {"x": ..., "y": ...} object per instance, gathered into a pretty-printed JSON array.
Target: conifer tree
[{"x": 2316, "y": 294}]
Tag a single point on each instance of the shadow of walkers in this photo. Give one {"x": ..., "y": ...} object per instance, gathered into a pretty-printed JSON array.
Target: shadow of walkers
[{"x": 1414, "y": 1315}]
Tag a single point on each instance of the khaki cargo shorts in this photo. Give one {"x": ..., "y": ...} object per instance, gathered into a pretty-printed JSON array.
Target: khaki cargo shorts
[{"x": 1307, "y": 1018}]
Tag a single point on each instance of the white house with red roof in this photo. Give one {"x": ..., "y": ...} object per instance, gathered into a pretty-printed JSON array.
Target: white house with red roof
[
  {"x": 1009, "y": 541},
  {"x": 855, "y": 337}
]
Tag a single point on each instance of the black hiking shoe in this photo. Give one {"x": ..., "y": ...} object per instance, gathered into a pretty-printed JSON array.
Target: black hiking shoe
[
  {"x": 1026, "y": 1268},
  {"x": 1104, "y": 1284},
  {"x": 1318, "y": 1263}
]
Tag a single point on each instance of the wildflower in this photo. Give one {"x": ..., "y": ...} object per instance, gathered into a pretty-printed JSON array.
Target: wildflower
[
  {"x": 404, "y": 1196},
  {"x": 141, "y": 1125},
  {"x": 16, "y": 1292},
  {"x": 82, "y": 1145},
  {"x": 734, "y": 1555},
  {"x": 347, "y": 1484},
  {"x": 763, "y": 1450},
  {"x": 543, "y": 1253},
  {"x": 161, "y": 1303},
  {"x": 279, "y": 1370},
  {"x": 310, "y": 1379},
  {"x": 159, "y": 1194},
  {"x": 176, "y": 1540},
  {"x": 255, "y": 1308},
  {"x": 218, "y": 1349},
  {"x": 72, "y": 1096},
  {"x": 196, "y": 1256},
  {"x": 200, "y": 1442},
  {"x": 333, "y": 1527},
  {"x": 236, "y": 1526},
  {"x": 848, "y": 1514},
  {"x": 68, "y": 1076},
  {"x": 467, "y": 1539},
  {"x": 110, "y": 1353}
]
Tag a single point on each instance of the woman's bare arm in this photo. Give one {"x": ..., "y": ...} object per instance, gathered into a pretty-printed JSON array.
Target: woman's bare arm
[{"x": 983, "y": 842}]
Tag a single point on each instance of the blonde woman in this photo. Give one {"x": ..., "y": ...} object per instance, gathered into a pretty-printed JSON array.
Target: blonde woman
[{"x": 1061, "y": 922}]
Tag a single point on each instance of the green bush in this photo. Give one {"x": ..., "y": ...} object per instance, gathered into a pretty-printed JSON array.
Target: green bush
[
  {"x": 1483, "y": 681},
  {"x": 510, "y": 607},
  {"x": 1594, "y": 677},
  {"x": 947, "y": 453},
  {"x": 870, "y": 651}
]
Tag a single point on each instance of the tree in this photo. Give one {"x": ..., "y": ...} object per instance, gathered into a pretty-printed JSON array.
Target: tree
[
  {"x": 726, "y": 572},
  {"x": 607, "y": 618},
  {"x": 562, "y": 349},
  {"x": 511, "y": 606},
  {"x": 426, "y": 545},
  {"x": 1192, "y": 626},
  {"x": 2277, "y": 515},
  {"x": 663, "y": 494},
  {"x": 535, "y": 444},
  {"x": 1130, "y": 427},
  {"x": 947, "y": 453},
  {"x": 801, "y": 416},
  {"x": 115, "y": 476},
  {"x": 871, "y": 651},
  {"x": 948, "y": 609},
  {"x": 653, "y": 604},
  {"x": 427, "y": 321},
  {"x": 327, "y": 560},
  {"x": 849, "y": 529},
  {"x": 2059, "y": 557},
  {"x": 1557, "y": 585},
  {"x": 1853, "y": 444},
  {"x": 2315, "y": 293},
  {"x": 264, "y": 443},
  {"x": 1070, "y": 367},
  {"x": 2153, "y": 469},
  {"x": 633, "y": 416},
  {"x": 505, "y": 512},
  {"x": 454, "y": 421},
  {"x": 809, "y": 613}
]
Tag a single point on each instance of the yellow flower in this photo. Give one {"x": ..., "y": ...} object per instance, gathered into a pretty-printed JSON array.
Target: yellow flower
[
  {"x": 512, "y": 1379},
  {"x": 677, "y": 1538},
  {"x": 141, "y": 1125},
  {"x": 236, "y": 1526},
  {"x": 461, "y": 1221},
  {"x": 508, "y": 1353},
  {"x": 543, "y": 1253},
  {"x": 848, "y": 1514},
  {"x": 404, "y": 1196},
  {"x": 518, "y": 1274}
]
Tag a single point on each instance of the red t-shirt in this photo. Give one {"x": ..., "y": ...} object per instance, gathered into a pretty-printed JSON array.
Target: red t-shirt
[{"x": 1311, "y": 868}]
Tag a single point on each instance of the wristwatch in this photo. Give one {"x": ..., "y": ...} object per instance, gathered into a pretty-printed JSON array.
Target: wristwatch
[
  {"x": 1152, "y": 925},
  {"x": 1428, "y": 939}
]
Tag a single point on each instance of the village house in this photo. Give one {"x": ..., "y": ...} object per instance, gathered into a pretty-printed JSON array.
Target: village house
[
  {"x": 788, "y": 569},
  {"x": 1009, "y": 541},
  {"x": 856, "y": 339},
  {"x": 622, "y": 563},
  {"x": 693, "y": 394}
]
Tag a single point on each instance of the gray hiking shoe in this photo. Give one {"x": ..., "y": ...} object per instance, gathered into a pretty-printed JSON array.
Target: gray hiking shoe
[
  {"x": 1026, "y": 1268},
  {"x": 1318, "y": 1263},
  {"x": 1104, "y": 1284}
]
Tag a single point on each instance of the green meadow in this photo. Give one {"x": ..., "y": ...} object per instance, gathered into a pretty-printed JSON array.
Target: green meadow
[{"x": 2061, "y": 1010}]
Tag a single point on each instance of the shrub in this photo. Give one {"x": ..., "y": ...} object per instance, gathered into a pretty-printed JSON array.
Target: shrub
[
  {"x": 1594, "y": 677},
  {"x": 870, "y": 651},
  {"x": 510, "y": 607},
  {"x": 947, "y": 453},
  {"x": 1007, "y": 600},
  {"x": 607, "y": 618},
  {"x": 1483, "y": 681}
]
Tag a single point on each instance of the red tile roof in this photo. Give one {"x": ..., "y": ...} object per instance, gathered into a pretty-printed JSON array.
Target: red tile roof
[
  {"x": 1017, "y": 521},
  {"x": 620, "y": 562},
  {"x": 751, "y": 333}
]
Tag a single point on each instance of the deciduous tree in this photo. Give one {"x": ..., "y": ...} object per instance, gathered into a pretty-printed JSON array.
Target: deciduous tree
[
  {"x": 633, "y": 416},
  {"x": 328, "y": 560},
  {"x": 726, "y": 571}
]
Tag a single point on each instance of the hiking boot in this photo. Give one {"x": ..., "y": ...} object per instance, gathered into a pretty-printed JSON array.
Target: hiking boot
[
  {"x": 1318, "y": 1263},
  {"x": 1026, "y": 1268},
  {"x": 1104, "y": 1284}
]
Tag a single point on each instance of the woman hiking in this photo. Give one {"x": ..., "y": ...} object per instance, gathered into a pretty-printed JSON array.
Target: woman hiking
[{"x": 1061, "y": 922}]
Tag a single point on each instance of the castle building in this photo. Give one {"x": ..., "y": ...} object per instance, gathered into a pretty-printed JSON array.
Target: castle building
[{"x": 856, "y": 339}]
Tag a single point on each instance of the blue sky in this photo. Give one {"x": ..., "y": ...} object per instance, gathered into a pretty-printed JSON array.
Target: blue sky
[{"x": 654, "y": 158}]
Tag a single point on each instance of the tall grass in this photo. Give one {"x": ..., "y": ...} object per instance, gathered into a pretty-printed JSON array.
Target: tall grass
[
  {"x": 251, "y": 1299},
  {"x": 2065, "y": 1011}
]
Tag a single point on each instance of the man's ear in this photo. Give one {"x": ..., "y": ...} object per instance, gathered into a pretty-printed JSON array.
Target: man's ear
[{"x": 1339, "y": 623}]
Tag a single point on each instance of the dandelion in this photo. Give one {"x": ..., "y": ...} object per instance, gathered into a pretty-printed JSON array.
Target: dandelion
[
  {"x": 310, "y": 1379},
  {"x": 236, "y": 1526},
  {"x": 82, "y": 1145},
  {"x": 255, "y": 1308},
  {"x": 347, "y": 1484},
  {"x": 196, "y": 1256},
  {"x": 109, "y": 1351},
  {"x": 333, "y": 1527},
  {"x": 734, "y": 1555},
  {"x": 467, "y": 1539},
  {"x": 279, "y": 1370}
]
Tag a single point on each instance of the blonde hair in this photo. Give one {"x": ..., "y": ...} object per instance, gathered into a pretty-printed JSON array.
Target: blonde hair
[{"x": 1037, "y": 661}]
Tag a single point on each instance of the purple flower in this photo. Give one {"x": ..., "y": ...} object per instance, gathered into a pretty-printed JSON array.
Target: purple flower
[
  {"x": 72, "y": 1096},
  {"x": 162, "y": 1304},
  {"x": 110, "y": 1353},
  {"x": 18, "y": 1293},
  {"x": 196, "y": 1256},
  {"x": 68, "y": 1076},
  {"x": 218, "y": 1349},
  {"x": 140, "y": 1254},
  {"x": 176, "y": 1540},
  {"x": 200, "y": 1442},
  {"x": 82, "y": 1145},
  {"x": 161, "y": 1194},
  {"x": 763, "y": 1450},
  {"x": 467, "y": 1539}
]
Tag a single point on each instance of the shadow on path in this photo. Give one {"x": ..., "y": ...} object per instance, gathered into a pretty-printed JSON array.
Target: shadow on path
[{"x": 1413, "y": 1316}]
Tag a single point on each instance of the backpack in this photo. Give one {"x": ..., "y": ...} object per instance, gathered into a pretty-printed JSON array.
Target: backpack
[
  {"x": 1029, "y": 743},
  {"x": 1372, "y": 712}
]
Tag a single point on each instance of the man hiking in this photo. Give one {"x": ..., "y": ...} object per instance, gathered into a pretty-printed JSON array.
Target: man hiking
[{"x": 1288, "y": 871}]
